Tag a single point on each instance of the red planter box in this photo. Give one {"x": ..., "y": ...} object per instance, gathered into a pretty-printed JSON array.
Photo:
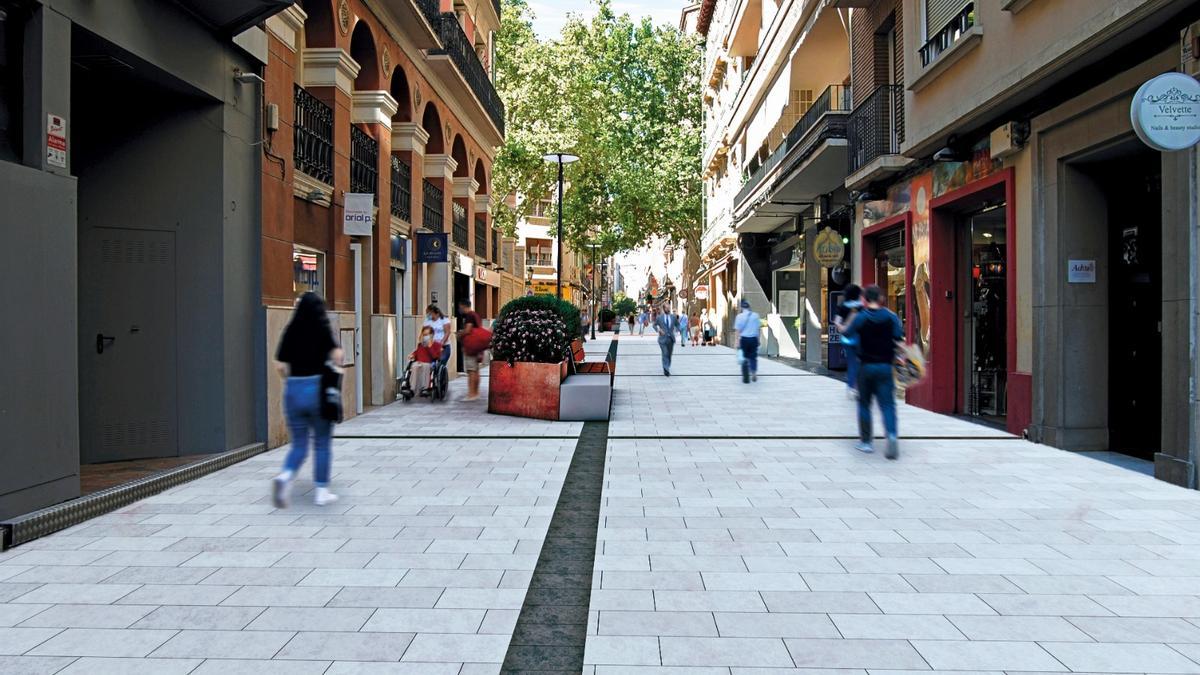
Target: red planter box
[{"x": 525, "y": 389}]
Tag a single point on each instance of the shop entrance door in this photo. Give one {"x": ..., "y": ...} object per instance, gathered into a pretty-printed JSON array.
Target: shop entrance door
[
  {"x": 983, "y": 284},
  {"x": 1135, "y": 306},
  {"x": 462, "y": 291}
]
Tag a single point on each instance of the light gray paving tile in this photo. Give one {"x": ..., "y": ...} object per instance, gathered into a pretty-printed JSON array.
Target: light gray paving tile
[
  {"x": 681, "y": 624},
  {"x": 691, "y": 563},
  {"x": 294, "y": 545},
  {"x": 34, "y": 665},
  {"x": 880, "y": 565},
  {"x": 178, "y": 595},
  {"x": 1067, "y": 585},
  {"x": 822, "y": 653},
  {"x": 775, "y": 624},
  {"x": 441, "y": 561},
  {"x": 433, "y": 578},
  {"x": 234, "y": 559},
  {"x": 1161, "y": 585},
  {"x": 857, "y": 582},
  {"x": 622, "y": 600},
  {"x": 986, "y": 655},
  {"x": 90, "y": 594},
  {"x": 345, "y": 646},
  {"x": 259, "y": 667},
  {"x": 88, "y": 616},
  {"x": 1019, "y": 628},
  {"x": 310, "y": 619},
  {"x": 199, "y": 618},
  {"x": 1044, "y": 605},
  {"x": 335, "y": 560},
  {"x": 102, "y": 642},
  {"x": 1185, "y": 606},
  {"x": 449, "y": 647},
  {"x": 1087, "y": 567},
  {"x": 146, "y": 558},
  {"x": 362, "y": 668},
  {"x": 961, "y": 583},
  {"x": 1130, "y": 629},
  {"x": 425, "y": 621},
  {"x": 705, "y": 651},
  {"x": 1120, "y": 658},
  {"x": 930, "y": 603},
  {"x": 1006, "y": 566},
  {"x": 707, "y": 601},
  {"x": 65, "y": 574},
  {"x": 223, "y": 644},
  {"x": 256, "y": 576},
  {"x": 893, "y": 627},
  {"x": 481, "y": 598},
  {"x": 202, "y": 544},
  {"x": 130, "y": 666},
  {"x": 16, "y": 641},
  {"x": 279, "y": 596},
  {"x": 11, "y": 615},
  {"x": 623, "y": 650},
  {"x": 352, "y": 577},
  {"x": 35, "y": 558}
]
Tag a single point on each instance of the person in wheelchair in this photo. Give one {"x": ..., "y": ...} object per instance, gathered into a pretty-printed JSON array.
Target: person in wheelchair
[{"x": 422, "y": 358}]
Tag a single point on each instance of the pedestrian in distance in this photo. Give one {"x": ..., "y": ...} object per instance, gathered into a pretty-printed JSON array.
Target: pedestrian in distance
[
  {"x": 305, "y": 355},
  {"x": 748, "y": 326},
  {"x": 475, "y": 342},
  {"x": 664, "y": 325},
  {"x": 681, "y": 324},
  {"x": 878, "y": 332},
  {"x": 631, "y": 320},
  {"x": 694, "y": 328},
  {"x": 847, "y": 310},
  {"x": 643, "y": 320}
]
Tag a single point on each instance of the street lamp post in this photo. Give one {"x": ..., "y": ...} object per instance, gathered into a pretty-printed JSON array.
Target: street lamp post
[
  {"x": 559, "y": 158},
  {"x": 593, "y": 246}
]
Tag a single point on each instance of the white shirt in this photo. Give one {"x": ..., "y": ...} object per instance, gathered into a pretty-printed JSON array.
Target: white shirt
[
  {"x": 748, "y": 324},
  {"x": 439, "y": 327}
]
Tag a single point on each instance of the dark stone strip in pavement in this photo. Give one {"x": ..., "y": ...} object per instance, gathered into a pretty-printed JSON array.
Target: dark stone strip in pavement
[
  {"x": 552, "y": 627},
  {"x": 751, "y": 437}
]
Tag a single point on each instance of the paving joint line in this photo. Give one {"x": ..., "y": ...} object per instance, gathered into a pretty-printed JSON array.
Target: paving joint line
[{"x": 551, "y": 630}]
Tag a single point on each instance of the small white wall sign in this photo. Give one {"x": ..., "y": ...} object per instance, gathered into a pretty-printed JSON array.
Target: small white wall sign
[
  {"x": 359, "y": 214},
  {"x": 1081, "y": 271},
  {"x": 1165, "y": 112}
]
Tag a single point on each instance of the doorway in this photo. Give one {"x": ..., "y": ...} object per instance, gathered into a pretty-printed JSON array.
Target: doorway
[
  {"x": 462, "y": 292},
  {"x": 982, "y": 287}
]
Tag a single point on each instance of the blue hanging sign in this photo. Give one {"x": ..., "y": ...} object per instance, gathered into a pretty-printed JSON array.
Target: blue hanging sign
[{"x": 432, "y": 247}]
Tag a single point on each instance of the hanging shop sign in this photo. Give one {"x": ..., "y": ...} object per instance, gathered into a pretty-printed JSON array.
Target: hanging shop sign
[
  {"x": 1165, "y": 112},
  {"x": 432, "y": 247},
  {"x": 359, "y": 214},
  {"x": 56, "y": 141},
  {"x": 828, "y": 249},
  {"x": 702, "y": 292}
]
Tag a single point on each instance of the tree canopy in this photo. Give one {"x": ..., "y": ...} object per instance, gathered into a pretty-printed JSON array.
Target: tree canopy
[{"x": 624, "y": 96}]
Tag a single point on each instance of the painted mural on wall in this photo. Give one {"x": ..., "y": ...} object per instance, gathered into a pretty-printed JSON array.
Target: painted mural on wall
[{"x": 915, "y": 194}]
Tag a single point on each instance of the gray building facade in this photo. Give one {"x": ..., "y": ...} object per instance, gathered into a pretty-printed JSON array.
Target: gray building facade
[{"x": 129, "y": 238}]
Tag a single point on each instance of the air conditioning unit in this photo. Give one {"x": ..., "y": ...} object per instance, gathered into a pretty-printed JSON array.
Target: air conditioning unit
[{"x": 1009, "y": 139}]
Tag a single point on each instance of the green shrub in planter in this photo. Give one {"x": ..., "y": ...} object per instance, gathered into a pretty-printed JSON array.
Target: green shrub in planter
[
  {"x": 566, "y": 311},
  {"x": 534, "y": 335},
  {"x": 607, "y": 315}
]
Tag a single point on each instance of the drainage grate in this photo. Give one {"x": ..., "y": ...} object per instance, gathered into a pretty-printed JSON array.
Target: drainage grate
[
  {"x": 26, "y": 528},
  {"x": 552, "y": 628}
]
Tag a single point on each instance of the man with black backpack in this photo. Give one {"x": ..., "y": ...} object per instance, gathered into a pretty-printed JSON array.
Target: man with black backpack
[{"x": 877, "y": 332}]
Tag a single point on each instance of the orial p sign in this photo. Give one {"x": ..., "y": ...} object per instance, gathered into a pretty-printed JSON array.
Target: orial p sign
[
  {"x": 359, "y": 214},
  {"x": 1166, "y": 112}
]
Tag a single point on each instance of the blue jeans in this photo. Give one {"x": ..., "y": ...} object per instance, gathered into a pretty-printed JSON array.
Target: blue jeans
[
  {"x": 445, "y": 358},
  {"x": 749, "y": 347},
  {"x": 875, "y": 382},
  {"x": 667, "y": 344},
  {"x": 851, "y": 352},
  {"x": 302, "y": 403}
]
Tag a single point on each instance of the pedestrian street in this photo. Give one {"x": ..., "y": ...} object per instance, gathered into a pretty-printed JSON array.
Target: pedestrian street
[{"x": 712, "y": 527}]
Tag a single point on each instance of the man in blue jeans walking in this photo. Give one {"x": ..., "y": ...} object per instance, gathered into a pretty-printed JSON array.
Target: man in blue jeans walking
[{"x": 877, "y": 331}]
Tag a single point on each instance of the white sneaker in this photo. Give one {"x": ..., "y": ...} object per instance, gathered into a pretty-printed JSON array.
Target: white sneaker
[
  {"x": 324, "y": 497},
  {"x": 281, "y": 489},
  {"x": 893, "y": 448},
  {"x": 864, "y": 447}
]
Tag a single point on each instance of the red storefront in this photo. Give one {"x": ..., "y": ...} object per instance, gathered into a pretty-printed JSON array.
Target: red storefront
[{"x": 943, "y": 247}]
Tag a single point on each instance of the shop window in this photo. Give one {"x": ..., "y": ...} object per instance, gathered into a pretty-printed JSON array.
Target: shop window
[
  {"x": 308, "y": 271},
  {"x": 11, "y": 30}
]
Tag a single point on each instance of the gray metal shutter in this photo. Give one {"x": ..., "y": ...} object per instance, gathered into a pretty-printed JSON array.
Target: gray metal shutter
[{"x": 938, "y": 13}]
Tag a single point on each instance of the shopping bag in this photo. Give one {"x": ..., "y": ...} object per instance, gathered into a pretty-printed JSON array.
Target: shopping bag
[
  {"x": 477, "y": 341},
  {"x": 909, "y": 364}
]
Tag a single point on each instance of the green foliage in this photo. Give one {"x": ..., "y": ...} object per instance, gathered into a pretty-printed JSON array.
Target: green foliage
[
  {"x": 607, "y": 315},
  {"x": 566, "y": 311},
  {"x": 624, "y": 306},
  {"x": 624, "y": 96}
]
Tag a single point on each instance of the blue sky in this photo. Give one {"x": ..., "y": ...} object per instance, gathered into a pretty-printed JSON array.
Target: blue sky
[{"x": 551, "y": 14}]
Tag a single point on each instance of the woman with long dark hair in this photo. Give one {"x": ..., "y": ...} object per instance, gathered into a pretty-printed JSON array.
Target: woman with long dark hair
[{"x": 305, "y": 349}]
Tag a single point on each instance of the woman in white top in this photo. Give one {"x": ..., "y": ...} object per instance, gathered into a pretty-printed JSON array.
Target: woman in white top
[{"x": 440, "y": 325}]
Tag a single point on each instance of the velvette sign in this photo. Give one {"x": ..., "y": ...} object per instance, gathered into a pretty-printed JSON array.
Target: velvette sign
[{"x": 1166, "y": 112}]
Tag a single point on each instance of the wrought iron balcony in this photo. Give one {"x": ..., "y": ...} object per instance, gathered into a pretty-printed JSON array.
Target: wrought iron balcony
[
  {"x": 364, "y": 163},
  {"x": 458, "y": 215},
  {"x": 432, "y": 11},
  {"x": 815, "y": 126},
  {"x": 458, "y": 47},
  {"x": 401, "y": 190},
  {"x": 313, "y": 136},
  {"x": 947, "y": 36},
  {"x": 876, "y": 127},
  {"x": 481, "y": 233},
  {"x": 496, "y": 246},
  {"x": 433, "y": 216}
]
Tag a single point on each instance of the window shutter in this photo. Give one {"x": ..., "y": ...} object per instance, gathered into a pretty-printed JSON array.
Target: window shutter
[{"x": 938, "y": 13}]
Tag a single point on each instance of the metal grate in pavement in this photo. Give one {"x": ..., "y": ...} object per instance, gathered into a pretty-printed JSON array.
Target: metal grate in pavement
[{"x": 552, "y": 627}]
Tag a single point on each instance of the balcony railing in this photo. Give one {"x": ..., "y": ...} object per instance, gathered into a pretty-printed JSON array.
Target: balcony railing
[
  {"x": 433, "y": 217},
  {"x": 540, "y": 260},
  {"x": 364, "y": 163},
  {"x": 481, "y": 233},
  {"x": 313, "y": 136},
  {"x": 458, "y": 47},
  {"x": 458, "y": 216},
  {"x": 876, "y": 127},
  {"x": 401, "y": 190},
  {"x": 947, "y": 36},
  {"x": 496, "y": 246},
  {"x": 432, "y": 11},
  {"x": 835, "y": 99}
]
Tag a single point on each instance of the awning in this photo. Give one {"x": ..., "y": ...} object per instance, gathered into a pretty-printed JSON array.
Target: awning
[{"x": 230, "y": 17}]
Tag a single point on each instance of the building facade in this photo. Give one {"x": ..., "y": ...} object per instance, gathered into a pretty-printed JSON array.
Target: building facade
[
  {"x": 129, "y": 140},
  {"x": 395, "y": 100},
  {"x": 1040, "y": 252}
]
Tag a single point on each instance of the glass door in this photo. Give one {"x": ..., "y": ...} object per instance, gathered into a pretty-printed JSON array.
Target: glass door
[{"x": 985, "y": 314}]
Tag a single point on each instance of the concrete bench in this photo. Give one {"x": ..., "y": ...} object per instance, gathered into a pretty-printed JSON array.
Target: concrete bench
[{"x": 586, "y": 394}]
